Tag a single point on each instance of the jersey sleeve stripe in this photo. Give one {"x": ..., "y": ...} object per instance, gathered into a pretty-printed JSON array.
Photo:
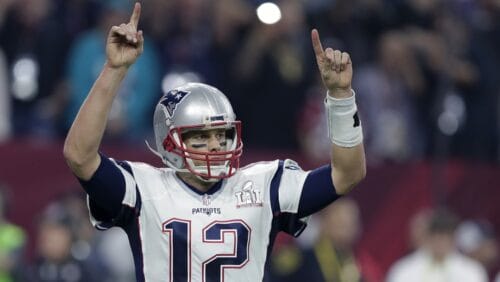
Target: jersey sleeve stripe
[
  {"x": 126, "y": 166},
  {"x": 275, "y": 184},
  {"x": 129, "y": 198}
]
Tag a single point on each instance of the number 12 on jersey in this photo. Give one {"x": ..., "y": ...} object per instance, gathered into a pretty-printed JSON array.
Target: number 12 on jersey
[{"x": 179, "y": 233}]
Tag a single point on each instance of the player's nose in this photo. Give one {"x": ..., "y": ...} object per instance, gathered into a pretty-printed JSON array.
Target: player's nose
[{"x": 214, "y": 143}]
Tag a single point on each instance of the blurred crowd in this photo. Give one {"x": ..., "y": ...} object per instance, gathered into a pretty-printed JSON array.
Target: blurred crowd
[
  {"x": 425, "y": 71},
  {"x": 441, "y": 247},
  {"x": 425, "y": 76},
  {"x": 64, "y": 248}
]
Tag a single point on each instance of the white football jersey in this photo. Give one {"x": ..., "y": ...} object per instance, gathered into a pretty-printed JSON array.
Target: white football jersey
[{"x": 180, "y": 234}]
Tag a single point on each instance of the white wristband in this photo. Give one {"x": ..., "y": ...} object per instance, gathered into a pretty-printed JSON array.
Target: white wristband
[{"x": 344, "y": 126}]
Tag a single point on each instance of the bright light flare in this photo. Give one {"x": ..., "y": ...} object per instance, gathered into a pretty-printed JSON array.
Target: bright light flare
[{"x": 269, "y": 13}]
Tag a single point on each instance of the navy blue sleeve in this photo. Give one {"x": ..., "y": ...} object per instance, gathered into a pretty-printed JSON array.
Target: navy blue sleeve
[
  {"x": 106, "y": 189},
  {"x": 318, "y": 191}
]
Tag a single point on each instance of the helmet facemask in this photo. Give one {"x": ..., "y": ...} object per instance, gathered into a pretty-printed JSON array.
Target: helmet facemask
[{"x": 207, "y": 165}]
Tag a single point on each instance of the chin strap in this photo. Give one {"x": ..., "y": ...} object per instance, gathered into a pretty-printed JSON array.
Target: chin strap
[{"x": 153, "y": 150}]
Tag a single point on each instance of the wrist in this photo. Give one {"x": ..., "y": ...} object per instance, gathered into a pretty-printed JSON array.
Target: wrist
[
  {"x": 340, "y": 93},
  {"x": 344, "y": 126},
  {"x": 115, "y": 70},
  {"x": 121, "y": 68}
]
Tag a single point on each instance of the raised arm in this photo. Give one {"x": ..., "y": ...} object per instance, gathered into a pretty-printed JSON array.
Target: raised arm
[
  {"x": 123, "y": 46},
  {"x": 347, "y": 153}
]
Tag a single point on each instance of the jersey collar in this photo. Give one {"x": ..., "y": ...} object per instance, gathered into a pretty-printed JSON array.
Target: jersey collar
[{"x": 217, "y": 186}]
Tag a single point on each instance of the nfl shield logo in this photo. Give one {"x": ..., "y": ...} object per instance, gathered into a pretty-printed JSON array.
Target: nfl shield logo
[{"x": 206, "y": 200}]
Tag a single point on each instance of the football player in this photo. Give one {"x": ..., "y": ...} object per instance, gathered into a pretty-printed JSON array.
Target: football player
[{"x": 202, "y": 218}]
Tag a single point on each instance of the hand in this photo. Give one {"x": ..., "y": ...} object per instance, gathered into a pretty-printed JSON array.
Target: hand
[
  {"x": 125, "y": 44},
  {"x": 335, "y": 68}
]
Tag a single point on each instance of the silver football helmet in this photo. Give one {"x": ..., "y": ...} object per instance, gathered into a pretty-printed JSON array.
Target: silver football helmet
[{"x": 197, "y": 106}]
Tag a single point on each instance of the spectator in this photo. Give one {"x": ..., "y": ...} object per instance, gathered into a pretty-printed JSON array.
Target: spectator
[
  {"x": 186, "y": 37},
  {"x": 35, "y": 46},
  {"x": 418, "y": 228},
  {"x": 273, "y": 67},
  {"x": 86, "y": 245},
  {"x": 105, "y": 253},
  {"x": 387, "y": 90},
  {"x": 12, "y": 243},
  {"x": 334, "y": 256},
  {"x": 437, "y": 260},
  {"x": 131, "y": 111},
  {"x": 477, "y": 240},
  {"x": 54, "y": 261}
]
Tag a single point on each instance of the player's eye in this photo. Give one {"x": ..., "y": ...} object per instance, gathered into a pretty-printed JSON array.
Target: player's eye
[
  {"x": 204, "y": 136},
  {"x": 199, "y": 137},
  {"x": 221, "y": 136}
]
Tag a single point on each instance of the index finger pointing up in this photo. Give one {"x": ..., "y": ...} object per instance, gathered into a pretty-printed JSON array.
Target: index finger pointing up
[
  {"x": 136, "y": 14},
  {"x": 316, "y": 42}
]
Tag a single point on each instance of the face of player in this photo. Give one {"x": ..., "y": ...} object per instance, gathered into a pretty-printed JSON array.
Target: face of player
[{"x": 212, "y": 140}]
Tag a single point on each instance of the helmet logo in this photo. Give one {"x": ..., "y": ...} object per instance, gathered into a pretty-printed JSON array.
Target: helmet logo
[{"x": 171, "y": 99}]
